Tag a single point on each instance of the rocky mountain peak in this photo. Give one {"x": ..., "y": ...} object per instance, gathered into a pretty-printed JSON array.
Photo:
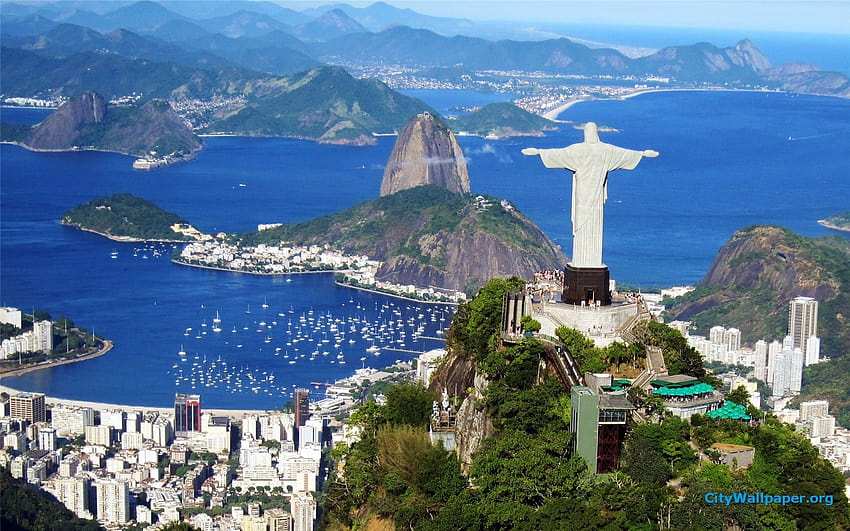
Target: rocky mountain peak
[
  {"x": 61, "y": 128},
  {"x": 426, "y": 152},
  {"x": 746, "y": 54}
]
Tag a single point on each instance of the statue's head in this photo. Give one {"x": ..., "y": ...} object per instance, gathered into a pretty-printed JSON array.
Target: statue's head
[{"x": 591, "y": 133}]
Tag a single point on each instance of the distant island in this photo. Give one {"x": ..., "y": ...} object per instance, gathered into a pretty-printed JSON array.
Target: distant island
[
  {"x": 124, "y": 217},
  {"x": 499, "y": 120},
  {"x": 837, "y": 222},
  {"x": 151, "y": 131}
]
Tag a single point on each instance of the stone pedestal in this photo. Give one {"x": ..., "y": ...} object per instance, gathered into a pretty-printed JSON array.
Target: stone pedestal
[{"x": 586, "y": 284}]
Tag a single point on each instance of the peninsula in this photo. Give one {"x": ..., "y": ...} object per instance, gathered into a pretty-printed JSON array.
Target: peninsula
[
  {"x": 151, "y": 131},
  {"x": 837, "y": 222},
  {"x": 124, "y": 217}
]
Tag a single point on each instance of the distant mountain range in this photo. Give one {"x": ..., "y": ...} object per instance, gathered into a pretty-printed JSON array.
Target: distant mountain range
[{"x": 241, "y": 62}]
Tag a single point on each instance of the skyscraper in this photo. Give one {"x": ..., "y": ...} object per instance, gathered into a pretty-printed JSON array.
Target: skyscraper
[
  {"x": 302, "y": 407},
  {"x": 802, "y": 320},
  {"x": 187, "y": 414}
]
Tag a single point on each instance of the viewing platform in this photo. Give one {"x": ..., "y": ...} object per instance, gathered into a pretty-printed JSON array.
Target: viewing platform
[{"x": 603, "y": 324}]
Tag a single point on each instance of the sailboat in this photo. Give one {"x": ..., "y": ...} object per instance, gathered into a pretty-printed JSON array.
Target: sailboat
[
  {"x": 181, "y": 352},
  {"x": 265, "y": 302},
  {"x": 217, "y": 318}
]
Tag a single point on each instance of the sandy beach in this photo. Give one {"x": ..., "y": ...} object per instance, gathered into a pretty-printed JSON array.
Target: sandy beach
[
  {"x": 553, "y": 114},
  {"x": 100, "y": 406}
]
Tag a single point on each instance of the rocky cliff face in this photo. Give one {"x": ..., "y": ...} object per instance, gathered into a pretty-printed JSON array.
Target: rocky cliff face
[
  {"x": 468, "y": 256},
  {"x": 428, "y": 236},
  {"x": 758, "y": 271},
  {"x": 747, "y": 55},
  {"x": 426, "y": 152},
  {"x": 770, "y": 258},
  {"x": 86, "y": 122},
  {"x": 61, "y": 129}
]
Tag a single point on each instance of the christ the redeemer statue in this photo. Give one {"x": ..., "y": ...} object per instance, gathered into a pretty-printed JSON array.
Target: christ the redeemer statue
[{"x": 590, "y": 161}]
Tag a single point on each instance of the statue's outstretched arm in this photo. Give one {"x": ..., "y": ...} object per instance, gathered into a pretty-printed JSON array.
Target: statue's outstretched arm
[
  {"x": 650, "y": 153},
  {"x": 530, "y": 151}
]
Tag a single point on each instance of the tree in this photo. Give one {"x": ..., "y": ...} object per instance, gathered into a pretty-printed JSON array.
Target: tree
[
  {"x": 408, "y": 404},
  {"x": 179, "y": 526},
  {"x": 529, "y": 324}
]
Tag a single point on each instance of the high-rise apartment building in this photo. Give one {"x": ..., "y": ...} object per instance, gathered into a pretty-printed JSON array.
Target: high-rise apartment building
[
  {"x": 303, "y": 511},
  {"x": 813, "y": 408},
  {"x": 43, "y": 332},
  {"x": 28, "y": 406},
  {"x": 187, "y": 414},
  {"x": 74, "y": 493},
  {"x": 812, "y": 350},
  {"x": 278, "y": 520},
  {"x": 47, "y": 439},
  {"x": 113, "y": 500},
  {"x": 802, "y": 320}
]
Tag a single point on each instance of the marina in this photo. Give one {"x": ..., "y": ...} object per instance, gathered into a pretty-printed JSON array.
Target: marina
[{"x": 259, "y": 354}]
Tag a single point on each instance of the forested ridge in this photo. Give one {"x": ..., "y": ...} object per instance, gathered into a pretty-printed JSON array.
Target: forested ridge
[{"x": 527, "y": 477}]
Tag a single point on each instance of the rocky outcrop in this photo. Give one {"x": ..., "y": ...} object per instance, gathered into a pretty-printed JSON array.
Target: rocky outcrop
[
  {"x": 426, "y": 152},
  {"x": 758, "y": 271},
  {"x": 428, "y": 236},
  {"x": 151, "y": 129},
  {"x": 473, "y": 424},
  {"x": 61, "y": 129},
  {"x": 771, "y": 258},
  {"x": 804, "y": 78},
  {"x": 468, "y": 256},
  {"x": 747, "y": 55}
]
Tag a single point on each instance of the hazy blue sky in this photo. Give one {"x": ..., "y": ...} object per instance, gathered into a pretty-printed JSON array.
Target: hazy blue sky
[{"x": 809, "y": 16}]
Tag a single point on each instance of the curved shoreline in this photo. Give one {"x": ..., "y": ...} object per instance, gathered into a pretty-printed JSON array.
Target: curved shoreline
[
  {"x": 214, "y": 268},
  {"x": 100, "y": 406},
  {"x": 554, "y": 113},
  {"x": 107, "y": 346},
  {"x": 124, "y": 239},
  {"x": 378, "y": 292},
  {"x": 827, "y": 224}
]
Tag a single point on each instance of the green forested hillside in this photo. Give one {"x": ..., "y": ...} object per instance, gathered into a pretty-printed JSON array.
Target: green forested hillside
[
  {"x": 25, "y": 508},
  {"x": 501, "y": 119},
  {"x": 125, "y": 216},
  {"x": 527, "y": 477}
]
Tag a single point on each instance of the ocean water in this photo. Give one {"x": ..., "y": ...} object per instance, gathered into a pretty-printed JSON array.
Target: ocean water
[{"x": 728, "y": 160}]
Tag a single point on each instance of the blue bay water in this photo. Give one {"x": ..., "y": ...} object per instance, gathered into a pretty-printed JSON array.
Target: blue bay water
[{"x": 728, "y": 160}]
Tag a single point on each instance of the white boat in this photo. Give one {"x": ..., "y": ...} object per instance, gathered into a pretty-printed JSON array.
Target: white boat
[
  {"x": 181, "y": 352},
  {"x": 217, "y": 318}
]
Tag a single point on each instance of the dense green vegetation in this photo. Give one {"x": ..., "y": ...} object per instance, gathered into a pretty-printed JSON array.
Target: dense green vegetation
[
  {"x": 125, "y": 216},
  {"x": 324, "y": 103},
  {"x": 418, "y": 223},
  {"x": 527, "y": 477},
  {"x": 501, "y": 119},
  {"x": 25, "y": 508}
]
